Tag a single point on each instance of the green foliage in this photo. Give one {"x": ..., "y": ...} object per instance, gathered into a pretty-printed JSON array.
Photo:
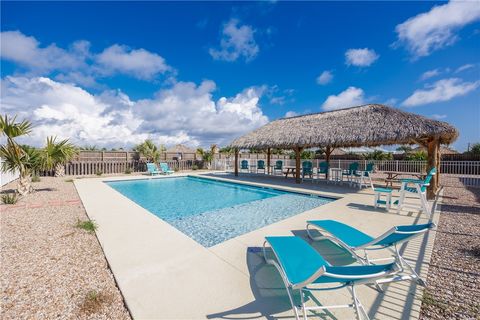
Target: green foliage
[
  {"x": 194, "y": 167},
  {"x": 36, "y": 178},
  {"x": 305, "y": 154},
  {"x": 92, "y": 295},
  {"x": 89, "y": 148},
  {"x": 128, "y": 171},
  {"x": 57, "y": 153},
  {"x": 378, "y": 155},
  {"x": 9, "y": 198},
  {"x": 475, "y": 149},
  {"x": 99, "y": 172},
  {"x": 149, "y": 150},
  {"x": 87, "y": 225},
  {"x": 12, "y": 129},
  {"x": 405, "y": 148},
  {"x": 207, "y": 156},
  {"x": 226, "y": 150},
  {"x": 417, "y": 156}
]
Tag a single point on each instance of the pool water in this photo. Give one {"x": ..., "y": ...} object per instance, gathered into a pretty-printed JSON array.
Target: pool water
[{"x": 210, "y": 211}]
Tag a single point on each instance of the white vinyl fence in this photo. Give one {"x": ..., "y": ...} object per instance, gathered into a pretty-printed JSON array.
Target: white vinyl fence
[{"x": 7, "y": 177}]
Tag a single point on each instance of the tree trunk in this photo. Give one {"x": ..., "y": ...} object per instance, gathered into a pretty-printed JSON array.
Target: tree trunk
[
  {"x": 298, "y": 152},
  {"x": 24, "y": 185},
  {"x": 433, "y": 146},
  {"x": 60, "y": 170},
  {"x": 236, "y": 162}
]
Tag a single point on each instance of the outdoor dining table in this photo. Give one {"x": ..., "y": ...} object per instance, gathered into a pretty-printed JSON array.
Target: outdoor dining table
[{"x": 391, "y": 175}]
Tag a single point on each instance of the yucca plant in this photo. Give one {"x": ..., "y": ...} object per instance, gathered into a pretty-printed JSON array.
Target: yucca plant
[
  {"x": 16, "y": 158},
  {"x": 56, "y": 154},
  {"x": 208, "y": 156},
  {"x": 149, "y": 150}
]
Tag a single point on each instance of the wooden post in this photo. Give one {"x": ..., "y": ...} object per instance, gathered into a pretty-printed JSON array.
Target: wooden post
[
  {"x": 298, "y": 152},
  {"x": 236, "y": 162},
  {"x": 268, "y": 160},
  {"x": 432, "y": 161},
  {"x": 328, "y": 152},
  {"x": 439, "y": 158}
]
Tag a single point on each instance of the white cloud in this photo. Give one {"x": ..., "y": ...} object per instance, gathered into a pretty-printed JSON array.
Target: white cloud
[
  {"x": 360, "y": 57},
  {"x": 184, "y": 113},
  {"x": 325, "y": 77},
  {"x": 465, "y": 67},
  {"x": 351, "y": 97},
  {"x": 237, "y": 41},
  {"x": 438, "y": 116},
  {"x": 138, "y": 63},
  {"x": 291, "y": 114},
  {"x": 391, "y": 102},
  {"x": 26, "y": 51},
  {"x": 442, "y": 90},
  {"x": 435, "y": 29},
  {"x": 430, "y": 74},
  {"x": 77, "y": 64}
]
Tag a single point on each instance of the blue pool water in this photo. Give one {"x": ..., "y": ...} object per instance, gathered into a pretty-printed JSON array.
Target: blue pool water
[{"x": 211, "y": 211}]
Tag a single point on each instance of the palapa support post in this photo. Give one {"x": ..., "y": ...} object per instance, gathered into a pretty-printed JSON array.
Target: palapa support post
[
  {"x": 268, "y": 160},
  {"x": 298, "y": 152},
  {"x": 328, "y": 152},
  {"x": 432, "y": 161},
  {"x": 236, "y": 162}
]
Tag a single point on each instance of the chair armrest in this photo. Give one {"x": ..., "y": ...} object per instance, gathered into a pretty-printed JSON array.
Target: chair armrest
[{"x": 417, "y": 181}]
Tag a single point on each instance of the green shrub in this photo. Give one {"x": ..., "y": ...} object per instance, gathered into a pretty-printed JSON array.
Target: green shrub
[
  {"x": 194, "y": 167},
  {"x": 35, "y": 178},
  {"x": 417, "y": 156},
  {"x": 87, "y": 225},
  {"x": 9, "y": 198},
  {"x": 99, "y": 172},
  {"x": 128, "y": 171}
]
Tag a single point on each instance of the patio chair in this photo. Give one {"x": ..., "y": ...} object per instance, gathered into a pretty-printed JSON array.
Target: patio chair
[
  {"x": 278, "y": 166},
  {"x": 354, "y": 240},
  {"x": 165, "y": 168},
  {"x": 420, "y": 189},
  {"x": 303, "y": 268},
  {"x": 152, "y": 169},
  {"x": 307, "y": 169},
  {"x": 366, "y": 175},
  {"x": 323, "y": 169},
  {"x": 244, "y": 165},
  {"x": 261, "y": 165},
  {"x": 352, "y": 172}
]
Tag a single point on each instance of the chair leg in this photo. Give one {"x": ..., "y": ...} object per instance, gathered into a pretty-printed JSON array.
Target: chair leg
[
  {"x": 402, "y": 197},
  {"x": 304, "y": 311},
  {"x": 359, "y": 309}
]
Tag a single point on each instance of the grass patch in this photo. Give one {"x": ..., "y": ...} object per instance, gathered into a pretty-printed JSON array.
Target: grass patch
[
  {"x": 35, "y": 178},
  {"x": 9, "y": 198},
  {"x": 87, "y": 225},
  {"x": 93, "y": 302}
]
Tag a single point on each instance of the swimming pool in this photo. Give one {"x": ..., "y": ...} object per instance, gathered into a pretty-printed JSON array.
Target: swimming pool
[{"x": 211, "y": 211}]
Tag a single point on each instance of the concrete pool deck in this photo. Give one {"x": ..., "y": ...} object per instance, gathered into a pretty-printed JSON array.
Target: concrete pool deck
[{"x": 164, "y": 274}]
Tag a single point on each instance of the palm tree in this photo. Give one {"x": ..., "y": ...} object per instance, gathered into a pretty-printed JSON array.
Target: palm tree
[
  {"x": 149, "y": 150},
  {"x": 55, "y": 154},
  {"x": 208, "y": 156},
  {"x": 15, "y": 157}
]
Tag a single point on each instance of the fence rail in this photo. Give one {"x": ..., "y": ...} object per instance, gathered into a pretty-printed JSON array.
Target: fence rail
[{"x": 446, "y": 167}]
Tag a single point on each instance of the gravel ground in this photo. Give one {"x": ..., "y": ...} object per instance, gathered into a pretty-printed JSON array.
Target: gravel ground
[
  {"x": 51, "y": 269},
  {"x": 453, "y": 290}
]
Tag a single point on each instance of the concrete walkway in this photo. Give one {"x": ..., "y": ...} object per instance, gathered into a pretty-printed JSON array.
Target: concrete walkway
[{"x": 163, "y": 274}]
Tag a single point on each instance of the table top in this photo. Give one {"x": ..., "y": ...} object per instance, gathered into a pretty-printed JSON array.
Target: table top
[{"x": 404, "y": 173}]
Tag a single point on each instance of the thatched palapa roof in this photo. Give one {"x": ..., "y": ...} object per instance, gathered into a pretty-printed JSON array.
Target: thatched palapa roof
[
  {"x": 180, "y": 148},
  {"x": 367, "y": 125}
]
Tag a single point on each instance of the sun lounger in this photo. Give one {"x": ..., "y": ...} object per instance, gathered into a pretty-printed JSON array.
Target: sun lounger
[
  {"x": 165, "y": 168},
  {"x": 354, "y": 240},
  {"x": 303, "y": 268},
  {"x": 152, "y": 169}
]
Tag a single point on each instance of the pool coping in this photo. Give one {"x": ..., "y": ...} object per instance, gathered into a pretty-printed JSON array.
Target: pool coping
[{"x": 142, "y": 250}]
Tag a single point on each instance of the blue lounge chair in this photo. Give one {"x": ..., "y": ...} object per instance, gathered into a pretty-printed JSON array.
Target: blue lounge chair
[
  {"x": 302, "y": 268},
  {"x": 165, "y": 168},
  {"x": 261, "y": 165},
  {"x": 323, "y": 169},
  {"x": 352, "y": 172},
  {"x": 278, "y": 166},
  {"x": 244, "y": 165},
  {"x": 152, "y": 169},
  {"x": 420, "y": 189},
  {"x": 307, "y": 169},
  {"x": 354, "y": 240}
]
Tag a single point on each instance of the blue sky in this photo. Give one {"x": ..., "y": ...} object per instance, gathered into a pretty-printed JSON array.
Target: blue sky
[{"x": 113, "y": 74}]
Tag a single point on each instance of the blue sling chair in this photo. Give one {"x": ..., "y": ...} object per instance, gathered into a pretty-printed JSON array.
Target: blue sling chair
[
  {"x": 261, "y": 165},
  {"x": 354, "y": 240},
  {"x": 244, "y": 165},
  {"x": 303, "y": 268},
  {"x": 278, "y": 166},
  {"x": 417, "y": 188}
]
